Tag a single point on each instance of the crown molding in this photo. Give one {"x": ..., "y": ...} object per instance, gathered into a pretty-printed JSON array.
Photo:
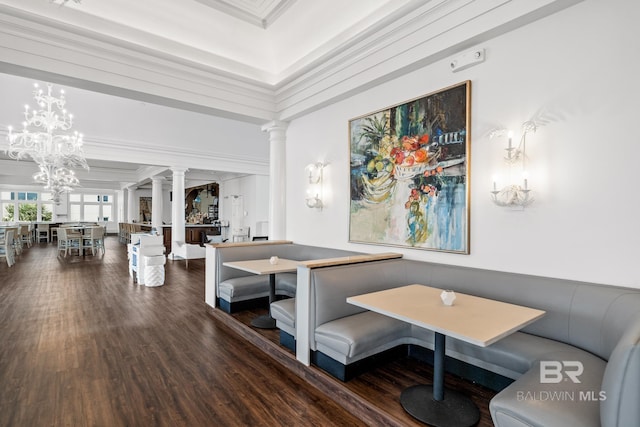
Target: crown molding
[
  {"x": 177, "y": 76},
  {"x": 417, "y": 34},
  {"x": 166, "y": 157},
  {"x": 413, "y": 38}
]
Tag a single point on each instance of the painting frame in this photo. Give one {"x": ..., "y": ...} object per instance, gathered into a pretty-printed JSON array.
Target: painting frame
[{"x": 410, "y": 170}]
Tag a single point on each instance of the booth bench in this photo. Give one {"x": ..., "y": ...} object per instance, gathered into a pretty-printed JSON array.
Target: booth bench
[
  {"x": 590, "y": 336},
  {"x": 233, "y": 290}
]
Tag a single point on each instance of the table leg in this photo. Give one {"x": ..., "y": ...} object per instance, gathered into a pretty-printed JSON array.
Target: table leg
[
  {"x": 266, "y": 321},
  {"x": 433, "y": 405}
]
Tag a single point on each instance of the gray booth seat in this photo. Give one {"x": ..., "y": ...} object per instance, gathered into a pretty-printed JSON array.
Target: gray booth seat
[
  {"x": 595, "y": 325},
  {"x": 238, "y": 290}
]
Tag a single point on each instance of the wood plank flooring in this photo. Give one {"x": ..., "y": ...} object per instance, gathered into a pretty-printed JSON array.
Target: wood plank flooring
[{"x": 82, "y": 345}]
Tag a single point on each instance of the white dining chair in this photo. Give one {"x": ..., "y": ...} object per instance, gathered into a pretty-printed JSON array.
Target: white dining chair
[
  {"x": 68, "y": 241},
  {"x": 42, "y": 232},
  {"x": 74, "y": 240},
  {"x": 53, "y": 231},
  {"x": 95, "y": 240},
  {"x": 62, "y": 240},
  {"x": 25, "y": 235},
  {"x": 6, "y": 247}
]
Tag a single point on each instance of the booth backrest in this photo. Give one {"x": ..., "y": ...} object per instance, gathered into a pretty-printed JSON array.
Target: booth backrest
[
  {"x": 262, "y": 251},
  {"x": 588, "y": 316},
  {"x": 329, "y": 294}
]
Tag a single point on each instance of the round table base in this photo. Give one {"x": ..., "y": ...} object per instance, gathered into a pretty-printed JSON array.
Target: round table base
[
  {"x": 455, "y": 410},
  {"x": 264, "y": 322}
]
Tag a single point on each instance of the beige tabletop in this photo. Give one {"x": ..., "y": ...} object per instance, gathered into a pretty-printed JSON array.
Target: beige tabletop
[
  {"x": 476, "y": 320},
  {"x": 264, "y": 266}
]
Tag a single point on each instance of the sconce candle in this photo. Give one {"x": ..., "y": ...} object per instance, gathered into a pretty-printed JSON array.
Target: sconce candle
[
  {"x": 314, "y": 185},
  {"x": 514, "y": 195}
]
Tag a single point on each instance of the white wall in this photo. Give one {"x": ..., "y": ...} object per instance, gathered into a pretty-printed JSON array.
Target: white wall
[
  {"x": 254, "y": 190},
  {"x": 576, "y": 73}
]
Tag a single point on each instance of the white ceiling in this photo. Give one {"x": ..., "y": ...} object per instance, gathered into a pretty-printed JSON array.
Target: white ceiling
[
  {"x": 166, "y": 82},
  {"x": 217, "y": 33},
  {"x": 262, "y": 40},
  {"x": 258, "y": 12}
]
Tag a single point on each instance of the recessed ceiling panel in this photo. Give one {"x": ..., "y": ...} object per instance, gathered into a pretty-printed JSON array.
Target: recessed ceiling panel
[{"x": 258, "y": 12}]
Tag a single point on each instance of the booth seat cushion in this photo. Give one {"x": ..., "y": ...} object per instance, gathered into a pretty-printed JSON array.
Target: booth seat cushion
[
  {"x": 284, "y": 311},
  {"x": 256, "y": 286},
  {"x": 511, "y": 356},
  {"x": 355, "y": 337},
  {"x": 532, "y": 402},
  {"x": 245, "y": 287}
]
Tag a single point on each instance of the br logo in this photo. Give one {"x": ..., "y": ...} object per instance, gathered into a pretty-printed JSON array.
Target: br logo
[{"x": 553, "y": 371}]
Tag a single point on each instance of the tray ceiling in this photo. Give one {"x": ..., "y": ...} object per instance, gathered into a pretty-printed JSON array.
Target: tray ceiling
[{"x": 258, "y": 12}]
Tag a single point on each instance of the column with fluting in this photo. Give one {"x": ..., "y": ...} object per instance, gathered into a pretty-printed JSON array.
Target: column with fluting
[{"x": 277, "y": 179}]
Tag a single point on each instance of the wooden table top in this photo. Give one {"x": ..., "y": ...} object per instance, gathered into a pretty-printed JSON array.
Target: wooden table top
[
  {"x": 263, "y": 266},
  {"x": 480, "y": 321}
]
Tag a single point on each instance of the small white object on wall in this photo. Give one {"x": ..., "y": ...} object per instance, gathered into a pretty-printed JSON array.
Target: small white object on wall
[{"x": 467, "y": 59}]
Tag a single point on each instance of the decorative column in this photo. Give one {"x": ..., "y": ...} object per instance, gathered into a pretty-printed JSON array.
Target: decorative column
[
  {"x": 177, "y": 209},
  {"x": 156, "y": 203},
  {"x": 277, "y": 178},
  {"x": 131, "y": 214}
]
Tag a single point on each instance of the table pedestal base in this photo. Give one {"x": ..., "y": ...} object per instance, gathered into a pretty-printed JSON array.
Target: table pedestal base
[
  {"x": 264, "y": 322},
  {"x": 455, "y": 409}
]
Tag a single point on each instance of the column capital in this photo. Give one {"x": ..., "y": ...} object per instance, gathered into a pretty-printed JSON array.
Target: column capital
[
  {"x": 274, "y": 125},
  {"x": 178, "y": 170},
  {"x": 158, "y": 178}
]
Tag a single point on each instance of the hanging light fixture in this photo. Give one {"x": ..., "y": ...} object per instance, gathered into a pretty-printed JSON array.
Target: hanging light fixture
[{"x": 45, "y": 138}]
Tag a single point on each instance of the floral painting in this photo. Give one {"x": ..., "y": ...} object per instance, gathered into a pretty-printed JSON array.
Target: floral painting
[{"x": 410, "y": 173}]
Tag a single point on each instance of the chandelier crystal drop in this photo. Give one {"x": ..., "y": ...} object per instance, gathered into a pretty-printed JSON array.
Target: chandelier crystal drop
[{"x": 46, "y": 139}]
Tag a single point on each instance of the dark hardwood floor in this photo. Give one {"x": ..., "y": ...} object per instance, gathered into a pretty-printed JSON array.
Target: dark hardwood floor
[{"x": 82, "y": 345}]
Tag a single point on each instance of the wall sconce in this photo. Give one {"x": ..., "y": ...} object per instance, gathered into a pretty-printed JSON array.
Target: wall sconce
[
  {"x": 514, "y": 194},
  {"x": 314, "y": 185}
]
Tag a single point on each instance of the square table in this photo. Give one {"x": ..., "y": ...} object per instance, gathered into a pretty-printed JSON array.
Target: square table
[
  {"x": 480, "y": 321},
  {"x": 264, "y": 266}
]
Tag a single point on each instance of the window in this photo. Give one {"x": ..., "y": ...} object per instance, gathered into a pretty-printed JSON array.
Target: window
[
  {"x": 36, "y": 206},
  {"x": 28, "y": 212},
  {"x": 74, "y": 212},
  {"x": 90, "y": 207},
  {"x": 7, "y": 211},
  {"x": 24, "y": 206},
  {"x": 47, "y": 211}
]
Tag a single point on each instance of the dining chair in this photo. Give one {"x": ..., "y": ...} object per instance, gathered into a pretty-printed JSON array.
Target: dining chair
[
  {"x": 6, "y": 247},
  {"x": 42, "y": 232},
  {"x": 25, "y": 235},
  {"x": 95, "y": 240},
  {"x": 17, "y": 241},
  {"x": 62, "y": 240},
  {"x": 74, "y": 240},
  {"x": 53, "y": 231},
  {"x": 68, "y": 240}
]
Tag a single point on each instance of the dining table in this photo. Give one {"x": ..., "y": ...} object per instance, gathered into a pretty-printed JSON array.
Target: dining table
[
  {"x": 270, "y": 266},
  {"x": 476, "y": 320}
]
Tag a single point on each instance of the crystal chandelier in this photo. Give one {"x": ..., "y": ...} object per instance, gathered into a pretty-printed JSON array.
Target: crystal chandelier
[{"x": 45, "y": 139}]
